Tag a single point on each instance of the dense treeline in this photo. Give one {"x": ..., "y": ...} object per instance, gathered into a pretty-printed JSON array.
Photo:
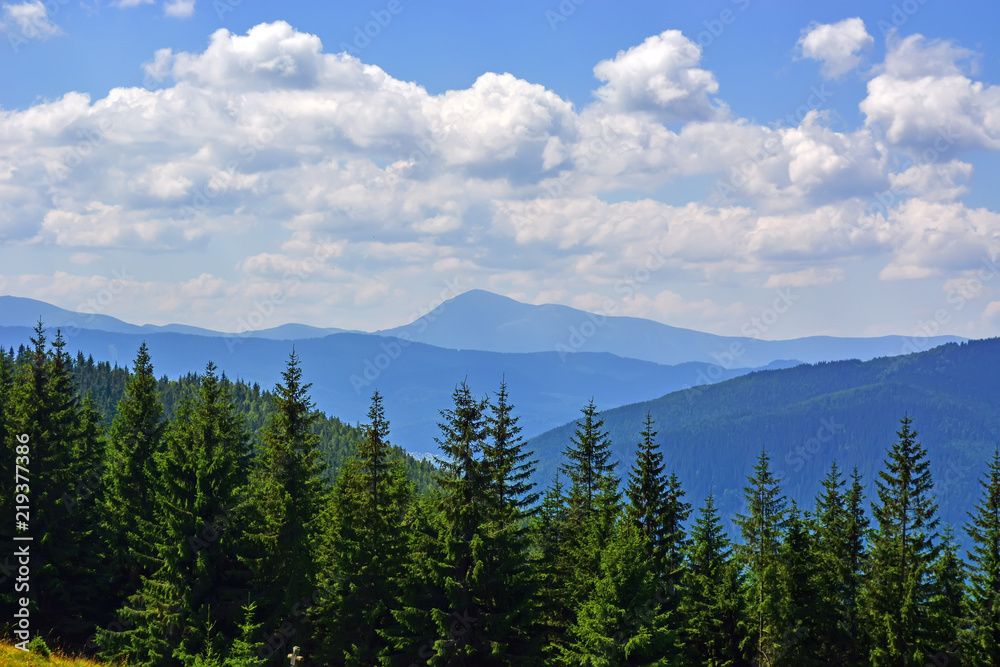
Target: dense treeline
[{"x": 183, "y": 537}]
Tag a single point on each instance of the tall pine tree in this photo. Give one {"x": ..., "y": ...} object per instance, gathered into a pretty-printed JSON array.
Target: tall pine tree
[
  {"x": 199, "y": 584},
  {"x": 288, "y": 496},
  {"x": 981, "y": 642},
  {"x": 840, "y": 554},
  {"x": 134, "y": 443},
  {"x": 763, "y": 528},
  {"x": 900, "y": 585},
  {"x": 714, "y": 632},
  {"x": 64, "y": 448},
  {"x": 365, "y": 548}
]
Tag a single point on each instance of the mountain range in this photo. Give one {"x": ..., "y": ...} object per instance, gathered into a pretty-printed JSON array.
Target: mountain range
[
  {"x": 809, "y": 416},
  {"x": 714, "y": 414},
  {"x": 554, "y": 358}
]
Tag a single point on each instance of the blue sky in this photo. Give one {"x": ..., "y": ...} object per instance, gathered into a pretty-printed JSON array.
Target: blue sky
[{"x": 226, "y": 163}]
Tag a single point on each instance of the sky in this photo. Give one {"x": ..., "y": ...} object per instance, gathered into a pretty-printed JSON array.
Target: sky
[{"x": 783, "y": 168}]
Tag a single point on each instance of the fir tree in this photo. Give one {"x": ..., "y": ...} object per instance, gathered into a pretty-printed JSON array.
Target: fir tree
[
  {"x": 947, "y": 603},
  {"x": 199, "y": 487},
  {"x": 900, "y": 585},
  {"x": 802, "y": 606},
  {"x": 134, "y": 443},
  {"x": 588, "y": 463},
  {"x": 466, "y": 505},
  {"x": 981, "y": 640},
  {"x": 839, "y": 553},
  {"x": 646, "y": 493},
  {"x": 762, "y": 528},
  {"x": 657, "y": 509},
  {"x": 371, "y": 497},
  {"x": 510, "y": 467},
  {"x": 552, "y": 566},
  {"x": 288, "y": 496},
  {"x": 593, "y": 502},
  {"x": 675, "y": 515},
  {"x": 63, "y": 449},
  {"x": 508, "y": 577},
  {"x": 623, "y": 622},
  {"x": 712, "y": 599}
]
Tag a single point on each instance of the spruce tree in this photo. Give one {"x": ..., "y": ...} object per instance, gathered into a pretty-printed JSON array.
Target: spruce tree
[
  {"x": 656, "y": 507},
  {"x": 199, "y": 491},
  {"x": 675, "y": 515},
  {"x": 552, "y": 566},
  {"x": 134, "y": 442},
  {"x": 802, "y": 608},
  {"x": 593, "y": 502},
  {"x": 900, "y": 585},
  {"x": 981, "y": 641},
  {"x": 839, "y": 552},
  {"x": 288, "y": 495},
  {"x": 622, "y": 622},
  {"x": 509, "y": 579},
  {"x": 509, "y": 466},
  {"x": 948, "y": 598},
  {"x": 763, "y": 528},
  {"x": 588, "y": 463},
  {"x": 466, "y": 505},
  {"x": 857, "y": 558},
  {"x": 646, "y": 494},
  {"x": 365, "y": 550},
  {"x": 712, "y": 599},
  {"x": 64, "y": 447}
]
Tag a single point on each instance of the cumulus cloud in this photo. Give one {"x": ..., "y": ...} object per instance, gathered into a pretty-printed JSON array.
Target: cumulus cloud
[
  {"x": 837, "y": 45},
  {"x": 935, "y": 238},
  {"x": 28, "y": 20},
  {"x": 924, "y": 99},
  {"x": 934, "y": 181},
  {"x": 659, "y": 76},
  {"x": 264, "y": 142}
]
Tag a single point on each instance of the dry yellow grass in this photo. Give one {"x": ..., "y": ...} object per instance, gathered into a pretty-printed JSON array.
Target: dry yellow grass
[{"x": 15, "y": 658}]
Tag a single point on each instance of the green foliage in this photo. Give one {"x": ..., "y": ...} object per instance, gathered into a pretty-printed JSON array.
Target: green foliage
[
  {"x": 762, "y": 528},
  {"x": 199, "y": 496},
  {"x": 981, "y": 641},
  {"x": 366, "y": 543},
  {"x": 134, "y": 443},
  {"x": 64, "y": 448},
  {"x": 228, "y": 539},
  {"x": 712, "y": 596},
  {"x": 288, "y": 496},
  {"x": 840, "y": 558},
  {"x": 622, "y": 622},
  {"x": 900, "y": 586}
]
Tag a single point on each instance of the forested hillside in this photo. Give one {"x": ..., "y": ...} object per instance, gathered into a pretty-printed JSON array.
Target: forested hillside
[
  {"x": 182, "y": 538},
  {"x": 105, "y": 385},
  {"x": 811, "y": 415}
]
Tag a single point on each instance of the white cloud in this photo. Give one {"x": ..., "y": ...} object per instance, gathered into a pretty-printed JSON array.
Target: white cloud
[
  {"x": 262, "y": 148},
  {"x": 837, "y": 45},
  {"x": 935, "y": 238},
  {"x": 933, "y": 181},
  {"x": 924, "y": 100},
  {"x": 28, "y": 20},
  {"x": 180, "y": 9},
  {"x": 659, "y": 76}
]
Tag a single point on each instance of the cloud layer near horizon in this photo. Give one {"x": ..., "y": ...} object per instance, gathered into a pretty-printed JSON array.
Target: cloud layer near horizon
[{"x": 338, "y": 186}]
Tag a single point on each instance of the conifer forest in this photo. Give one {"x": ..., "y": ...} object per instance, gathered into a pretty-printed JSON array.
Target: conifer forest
[{"x": 203, "y": 522}]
